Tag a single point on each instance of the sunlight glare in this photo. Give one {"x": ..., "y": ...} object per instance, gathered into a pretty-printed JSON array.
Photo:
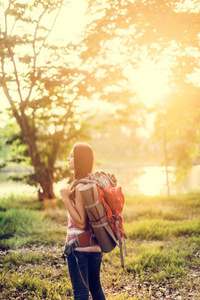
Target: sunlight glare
[
  {"x": 70, "y": 22},
  {"x": 153, "y": 181},
  {"x": 187, "y": 5},
  {"x": 150, "y": 82}
]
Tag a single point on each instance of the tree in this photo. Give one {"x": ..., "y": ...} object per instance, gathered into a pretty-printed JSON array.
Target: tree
[
  {"x": 181, "y": 119},
  {"x": 43, "y": 89},
  {"x": 40, "y": 87},
  {"x": 167, "y": 32}
]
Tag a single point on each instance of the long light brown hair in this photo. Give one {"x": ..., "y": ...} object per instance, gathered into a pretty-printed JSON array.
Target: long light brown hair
[{"x": 83, "y": 160}]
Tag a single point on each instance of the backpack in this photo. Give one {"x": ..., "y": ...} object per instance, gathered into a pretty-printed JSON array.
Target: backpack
[{"x": 104, "y": 202}]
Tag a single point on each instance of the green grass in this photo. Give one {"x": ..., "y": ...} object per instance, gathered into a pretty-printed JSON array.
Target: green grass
[
  {"x": 179, "y": 207},
  {"x": 17, "y": 259},
  {"x": 24, "y": 226},
  {"x": 163, "y": 242},
  {"x": 24, "y": 200},
  {"x": 34, "y": 287},
  {"x": 155, "y": 229},
  {"x": 156, "y": 258}
]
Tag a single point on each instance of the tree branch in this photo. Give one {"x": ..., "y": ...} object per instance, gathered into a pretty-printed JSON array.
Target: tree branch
[
  {"x": 12, "y": 58},
  {"x": 36, "y": 54},
  {"x": 51, "y": 28},
  {"x": 4, "y": 85},
  {"x": 58, "y": 136}
]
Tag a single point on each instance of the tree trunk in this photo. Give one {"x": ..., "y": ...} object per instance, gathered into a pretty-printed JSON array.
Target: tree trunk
[
  {"x": 166, "y": 162},
  {"x": 45, "y": 179},
  {"x": 43, "y": 174},
  {"x": 46, "y": 189}
]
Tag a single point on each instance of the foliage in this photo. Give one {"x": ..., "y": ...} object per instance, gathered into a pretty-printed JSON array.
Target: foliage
[
  {"x": 129, "y": 32},
  {"x": 115, "y": 135},
  {"x": 182, "y": 129},
  {"x": 4, "y": 150}
]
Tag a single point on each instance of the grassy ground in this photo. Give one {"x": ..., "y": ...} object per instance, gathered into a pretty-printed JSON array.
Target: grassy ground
[{"x": 163, "y": 250}]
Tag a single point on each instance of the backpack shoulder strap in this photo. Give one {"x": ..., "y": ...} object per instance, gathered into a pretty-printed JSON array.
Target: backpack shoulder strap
[
  {"x": 82, "y": 180},
  {"x": 100, "y": 178}
]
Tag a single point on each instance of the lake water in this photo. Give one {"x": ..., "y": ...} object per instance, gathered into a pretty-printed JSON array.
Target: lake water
[{"x": 149, "y": 180}]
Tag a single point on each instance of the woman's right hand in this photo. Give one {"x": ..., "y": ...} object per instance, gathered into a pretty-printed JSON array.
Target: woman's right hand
[
  {"x": 75, "y": 206},
  {"x": 65, "y": 193}
]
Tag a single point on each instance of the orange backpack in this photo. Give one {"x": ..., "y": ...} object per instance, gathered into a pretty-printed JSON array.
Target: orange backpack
[{"x": 104, "y": 202}]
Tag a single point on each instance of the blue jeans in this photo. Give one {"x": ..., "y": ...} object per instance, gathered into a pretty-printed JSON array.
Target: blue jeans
[{"x": 89, "y": 264}]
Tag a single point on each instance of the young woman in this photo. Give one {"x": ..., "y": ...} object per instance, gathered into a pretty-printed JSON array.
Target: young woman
[{"x": 83, "y": 262}]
